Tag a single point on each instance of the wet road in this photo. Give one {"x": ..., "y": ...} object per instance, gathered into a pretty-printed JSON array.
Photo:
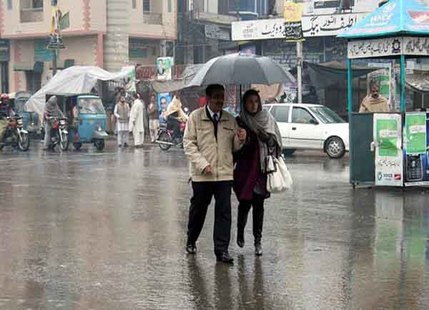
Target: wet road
[{"x": 87, "y": 230}]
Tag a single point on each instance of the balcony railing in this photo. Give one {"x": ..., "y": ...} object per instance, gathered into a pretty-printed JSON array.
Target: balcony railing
[
  {"x": 31, "y": 15},
  {"x": 152, "y": 18}
]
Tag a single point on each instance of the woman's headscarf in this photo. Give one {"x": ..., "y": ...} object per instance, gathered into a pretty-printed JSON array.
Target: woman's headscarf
[{"x": 264, "y": 125}]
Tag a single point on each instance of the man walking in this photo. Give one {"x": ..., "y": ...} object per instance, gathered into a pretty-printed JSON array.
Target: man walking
[
  {"x": 136, "y": 125},
  {"x": 211, "y": 136},
  {"x": 152, "y": 110}
]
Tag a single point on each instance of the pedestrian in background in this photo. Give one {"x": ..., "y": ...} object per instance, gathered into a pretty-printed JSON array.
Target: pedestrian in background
[
  {"x": 51, "y": 110},
  {"x": 122, "y": 114},
  {"x": 374, "y": 102},
  {"x": 136, "y": 124},
  {"x": 152, "y": 110},
  {"x": 211, "y": 135},
  {"x": 250, "y": 175}
]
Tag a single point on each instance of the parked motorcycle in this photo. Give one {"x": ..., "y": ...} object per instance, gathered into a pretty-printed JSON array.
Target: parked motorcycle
[
  {"x": 59, "y": 134},
  {"x": 165, "y": 137},
  {"x": 15, "y": 135}
]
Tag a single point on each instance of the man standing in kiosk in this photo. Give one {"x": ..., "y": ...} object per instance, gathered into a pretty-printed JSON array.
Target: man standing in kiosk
[{"x": 374, "y": 102}]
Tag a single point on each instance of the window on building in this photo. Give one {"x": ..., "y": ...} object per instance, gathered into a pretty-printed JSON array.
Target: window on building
[
  {"x": 134, "y": 4},
  {"x": 37, "y": 4},
  {"x": 170, "y": 6},
  {"x": 9, "y": 5},
  {"x": 146, "y": 5}
]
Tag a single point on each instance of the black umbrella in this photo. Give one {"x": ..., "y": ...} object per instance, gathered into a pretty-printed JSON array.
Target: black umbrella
[{"x": 237, "y": 69}]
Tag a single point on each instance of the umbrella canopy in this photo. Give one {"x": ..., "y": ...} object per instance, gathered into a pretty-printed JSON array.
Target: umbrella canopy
[
  {"x": 237, "y": 69},
  {"x": 396, "y": 17}
]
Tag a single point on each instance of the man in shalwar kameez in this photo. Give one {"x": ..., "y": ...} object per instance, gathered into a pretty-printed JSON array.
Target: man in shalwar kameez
[{"x": 137, "y": 121}]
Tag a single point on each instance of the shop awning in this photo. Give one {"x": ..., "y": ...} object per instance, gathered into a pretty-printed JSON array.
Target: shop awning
[
  {"x": 27, "y": 66},
  {"x": 23, "y": 66},
  {"x": 167, "y": 86},
  {"x": 334, "y": 72},
  {"x": 418, "y": 81}
]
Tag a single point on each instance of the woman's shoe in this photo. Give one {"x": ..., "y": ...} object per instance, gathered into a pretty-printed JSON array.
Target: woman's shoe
[{"x": 240, "y": 240}]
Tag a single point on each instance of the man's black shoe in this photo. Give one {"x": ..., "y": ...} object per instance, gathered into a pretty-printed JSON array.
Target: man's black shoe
[
  {"x": 258, "y": 249},
  {"x": 224, "y": 258},
  {"x": 191, "y": 248}
]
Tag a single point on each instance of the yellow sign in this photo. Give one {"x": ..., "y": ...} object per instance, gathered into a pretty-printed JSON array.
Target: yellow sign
[{"x": 292, "y": 11}]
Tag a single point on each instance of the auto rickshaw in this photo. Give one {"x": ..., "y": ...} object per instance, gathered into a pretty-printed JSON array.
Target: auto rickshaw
[{"x": 88, "y": 121}]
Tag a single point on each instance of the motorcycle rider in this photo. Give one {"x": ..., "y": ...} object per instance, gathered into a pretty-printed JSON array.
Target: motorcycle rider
[
  {"x": 51, "y": 110},
  {"x": 175, "y": 115},
  {"x": 5, "y": 112}
]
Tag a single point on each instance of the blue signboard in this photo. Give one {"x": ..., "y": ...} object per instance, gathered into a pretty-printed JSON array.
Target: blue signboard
[{"x": 4, "y": 50}]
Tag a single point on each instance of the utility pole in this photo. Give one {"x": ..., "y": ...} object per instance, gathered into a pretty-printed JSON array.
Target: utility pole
[
  {"x": 55, "y": 40},
  {"x": 293, "y": 19},
  {"x": 299, "y": 63}
]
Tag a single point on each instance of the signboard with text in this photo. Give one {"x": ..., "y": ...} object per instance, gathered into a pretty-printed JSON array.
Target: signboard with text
[
  {"x": 312, "y": 26},
  {"x": 416, "y": 149},
  {"x": 388, "y": 156},
  {"x": 293, "y": 21},
  {"x": 391, "y": 46}
]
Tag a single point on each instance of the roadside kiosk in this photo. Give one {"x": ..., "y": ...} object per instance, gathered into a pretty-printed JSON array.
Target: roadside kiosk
[{"x": 389, "y": 149}]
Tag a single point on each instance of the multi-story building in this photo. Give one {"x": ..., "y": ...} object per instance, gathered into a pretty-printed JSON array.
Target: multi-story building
[
  {"x": 205, "y": 26},
  {"x": 105, "y": 33}
]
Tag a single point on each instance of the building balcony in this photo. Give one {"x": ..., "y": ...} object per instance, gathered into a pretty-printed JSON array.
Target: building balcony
[
  {"x": 31, "y": 15},
  {"x": 152, "y": 18}
]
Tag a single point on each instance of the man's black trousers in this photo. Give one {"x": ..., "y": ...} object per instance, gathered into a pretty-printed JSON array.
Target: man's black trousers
[{"x": 202, "y": 196}]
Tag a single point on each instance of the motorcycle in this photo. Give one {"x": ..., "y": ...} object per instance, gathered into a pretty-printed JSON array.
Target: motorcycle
[
  {"x": 59, "y": 134},
  {"x": 15, "y": 135},
  {"x": 165, "y": 137}
]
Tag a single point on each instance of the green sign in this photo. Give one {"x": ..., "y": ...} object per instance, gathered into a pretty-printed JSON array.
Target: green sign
[
  {"x": 41, "y": 53},
  {"x": 415, "y": 133},
  {"x": 137, "y": 48},
  {"x": 387, "y": 137}
]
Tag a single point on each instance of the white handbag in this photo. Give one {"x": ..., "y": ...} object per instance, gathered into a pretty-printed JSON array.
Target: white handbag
[{"x": 278, "y": 178}]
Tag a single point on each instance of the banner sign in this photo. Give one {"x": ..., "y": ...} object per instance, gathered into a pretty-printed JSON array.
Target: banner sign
[
  {"x": 416, "y": 149},
  {"x": 394, "y": 46},
  {"x": 312, "y": 26},
  {"x": 293, "y": 25},
  {"x": 415, "y": 133},
  {"x": 293, "y": 31},
  {"x": 388, "y": 157},
  {"x": 164, "y": 66},
  {"x": 292, "y": 11}
]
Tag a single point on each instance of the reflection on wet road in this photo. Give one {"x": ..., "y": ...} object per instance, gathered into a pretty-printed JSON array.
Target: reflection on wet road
[{"x": 86, "y": 230}]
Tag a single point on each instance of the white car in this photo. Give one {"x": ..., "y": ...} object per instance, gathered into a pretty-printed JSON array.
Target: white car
[{"x": 310, "y": 127}]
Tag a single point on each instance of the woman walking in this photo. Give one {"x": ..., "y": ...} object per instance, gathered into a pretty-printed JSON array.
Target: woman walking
[
  {"x": 122, "y": 114},
  {"x": 250, "y": 177}
]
